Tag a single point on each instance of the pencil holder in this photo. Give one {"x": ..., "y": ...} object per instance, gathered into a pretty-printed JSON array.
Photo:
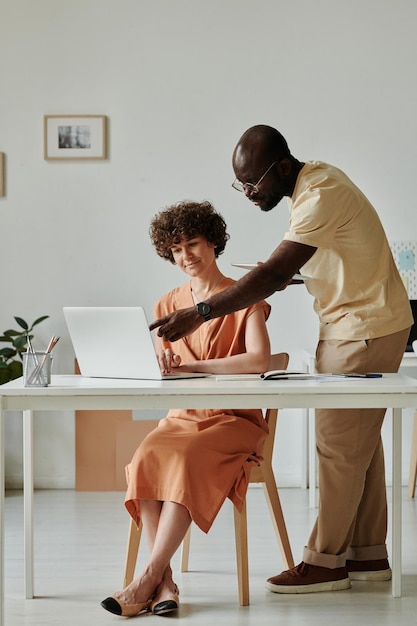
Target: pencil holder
[{"x": 37, "y": 369}]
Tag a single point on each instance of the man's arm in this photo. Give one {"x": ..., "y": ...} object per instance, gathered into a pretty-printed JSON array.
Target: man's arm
[{"x": 258, "y": 284}]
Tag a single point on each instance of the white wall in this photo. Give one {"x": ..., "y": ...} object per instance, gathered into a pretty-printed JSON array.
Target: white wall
[{"x": 180, "y": 80}]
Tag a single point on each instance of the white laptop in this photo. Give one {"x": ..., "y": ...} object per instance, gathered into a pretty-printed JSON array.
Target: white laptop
[{"x": 115, "y": 342}]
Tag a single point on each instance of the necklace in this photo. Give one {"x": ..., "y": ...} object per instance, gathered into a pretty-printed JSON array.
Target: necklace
[{"x": 197, "y": 297}]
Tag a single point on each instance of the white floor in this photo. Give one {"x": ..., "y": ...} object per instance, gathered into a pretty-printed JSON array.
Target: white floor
[{"x": 79, "y": 556}]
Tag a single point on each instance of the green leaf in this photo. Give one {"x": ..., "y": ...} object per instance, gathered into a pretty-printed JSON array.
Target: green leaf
[
  {"x": 20, "y": 342},
  {"x": 8, "y": 352},
  {"x": 39, "y": 320},
  {"x": 22, "y": 323},
  {"x": 12, "y": 333},
  {"x": 15, "y": 369},
  {"x": 12, "y": 371},
  {"x": 4, "y": 376}
]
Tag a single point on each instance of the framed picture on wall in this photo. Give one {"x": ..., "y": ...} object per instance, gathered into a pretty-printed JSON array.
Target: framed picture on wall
[{"x": 69, "y": 137}]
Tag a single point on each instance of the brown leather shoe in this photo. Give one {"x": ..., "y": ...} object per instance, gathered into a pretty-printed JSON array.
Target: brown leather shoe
[
  {"x": 374, "y": 570},
  {"x": 306, "y": 578}
]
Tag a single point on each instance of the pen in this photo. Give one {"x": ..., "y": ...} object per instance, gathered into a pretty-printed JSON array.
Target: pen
[{"x": 359, "y": 375}]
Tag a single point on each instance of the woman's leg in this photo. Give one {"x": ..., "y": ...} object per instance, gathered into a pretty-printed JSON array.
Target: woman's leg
[{"x": 165, "y": 525}]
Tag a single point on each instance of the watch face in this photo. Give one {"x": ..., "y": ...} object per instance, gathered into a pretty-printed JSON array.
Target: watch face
[{"x": 204, "y": 309}]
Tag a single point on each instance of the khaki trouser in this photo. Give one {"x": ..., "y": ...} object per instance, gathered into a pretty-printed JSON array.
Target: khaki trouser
[{"x": 352, "y": 516}]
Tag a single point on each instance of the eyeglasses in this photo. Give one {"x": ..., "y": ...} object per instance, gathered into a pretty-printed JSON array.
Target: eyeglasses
[{"x": 253, "y": 188}]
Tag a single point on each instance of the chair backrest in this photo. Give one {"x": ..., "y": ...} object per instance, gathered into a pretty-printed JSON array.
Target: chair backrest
[{"x": 277, "y": 362}]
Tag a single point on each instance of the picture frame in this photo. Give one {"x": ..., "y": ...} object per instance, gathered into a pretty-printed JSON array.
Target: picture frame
[
  {"x": 2, "y": 160},
  {"x": 75, "y": 137}
]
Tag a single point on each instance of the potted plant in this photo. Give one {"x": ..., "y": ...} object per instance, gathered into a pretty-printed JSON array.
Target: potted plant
[{"x": 11, "y": 365}]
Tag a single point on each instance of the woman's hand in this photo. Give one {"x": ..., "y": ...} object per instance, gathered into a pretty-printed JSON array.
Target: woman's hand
[{"x": 168, "y": 360}]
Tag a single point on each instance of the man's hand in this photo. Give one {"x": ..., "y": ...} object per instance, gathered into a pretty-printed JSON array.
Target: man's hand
[{"x": 177, "y": 324}]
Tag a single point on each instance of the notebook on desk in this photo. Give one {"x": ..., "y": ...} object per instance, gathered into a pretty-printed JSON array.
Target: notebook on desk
[{"x": 115, "y": 342}]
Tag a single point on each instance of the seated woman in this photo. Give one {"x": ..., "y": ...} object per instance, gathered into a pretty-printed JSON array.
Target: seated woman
[{"x": 185, "y": 468}]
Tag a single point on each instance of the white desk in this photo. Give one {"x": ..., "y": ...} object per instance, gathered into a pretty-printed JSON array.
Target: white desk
[
  {"x": 409, "y": 360},
  {"x": 74, "y": 392}
]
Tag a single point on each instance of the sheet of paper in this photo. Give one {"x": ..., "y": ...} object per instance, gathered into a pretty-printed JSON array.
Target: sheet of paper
[
  {"x": 326, "y": 378},
  {"x": 238, "y": 376},
  {"x": 249, "y": 266}
]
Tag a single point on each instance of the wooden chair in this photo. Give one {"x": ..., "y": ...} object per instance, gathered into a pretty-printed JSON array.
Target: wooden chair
[{"x": 263, "y": 474}]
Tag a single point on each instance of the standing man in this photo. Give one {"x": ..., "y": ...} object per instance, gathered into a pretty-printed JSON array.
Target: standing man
[{"x": 336, "y": 237}]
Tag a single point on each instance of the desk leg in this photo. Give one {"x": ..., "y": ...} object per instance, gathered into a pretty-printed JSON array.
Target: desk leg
[
  {"x": 2, "y": 480},
  {"x": 312, "y": 456},
  {"x": 413, "y": 460},
  {"x": 396, "y": 502},
  {"x": 28, "y": 499},
  {"x": 305, "y": 453}
]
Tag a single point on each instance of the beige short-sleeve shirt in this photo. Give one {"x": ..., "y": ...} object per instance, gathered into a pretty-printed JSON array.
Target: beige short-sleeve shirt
[{"x": 357, "y": 288}]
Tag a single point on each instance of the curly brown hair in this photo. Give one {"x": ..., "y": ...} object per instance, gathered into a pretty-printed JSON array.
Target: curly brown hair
[{"x": 187, "y": 219}]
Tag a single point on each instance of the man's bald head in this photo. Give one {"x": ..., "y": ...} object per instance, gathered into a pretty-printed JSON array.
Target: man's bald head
[{"x": 260, "y": 144}]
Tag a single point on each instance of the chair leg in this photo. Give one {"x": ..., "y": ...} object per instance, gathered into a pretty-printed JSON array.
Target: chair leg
[
  {"x": 132, "y": 552},
  {"x": 241, "y": 538},
  {"x": 413, "y": 460},
  {"x": 185, "y": 551},
  {"x": 277, "y": 516}
]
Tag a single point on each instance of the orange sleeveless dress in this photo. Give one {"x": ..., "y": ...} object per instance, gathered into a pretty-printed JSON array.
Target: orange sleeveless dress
[{"x": 198, "y": 458}]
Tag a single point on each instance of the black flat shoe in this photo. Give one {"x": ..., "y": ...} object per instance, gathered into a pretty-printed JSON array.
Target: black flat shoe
[
  {"x": 166, "y": 606},
  {"x": 117, "y": 607}
]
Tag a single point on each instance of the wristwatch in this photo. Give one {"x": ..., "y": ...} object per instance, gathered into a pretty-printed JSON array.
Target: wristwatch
[{"x": 203, "y": 309}]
